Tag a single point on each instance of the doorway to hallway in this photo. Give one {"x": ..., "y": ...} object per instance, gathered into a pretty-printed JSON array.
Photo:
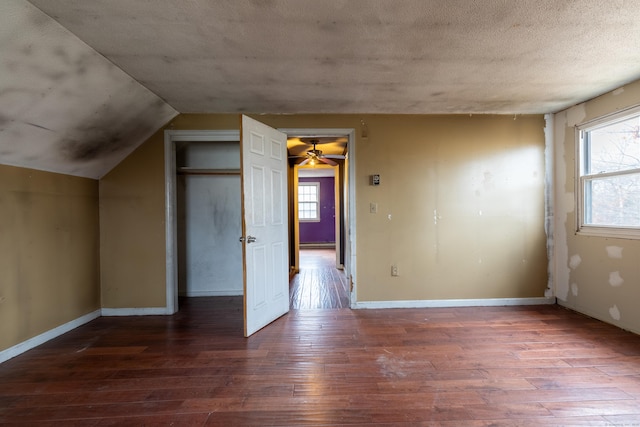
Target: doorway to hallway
[{"x": 319, "y": 284}]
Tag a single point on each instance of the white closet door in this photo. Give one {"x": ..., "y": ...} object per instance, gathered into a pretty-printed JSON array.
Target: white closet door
[{"x": 213, "y": 224}]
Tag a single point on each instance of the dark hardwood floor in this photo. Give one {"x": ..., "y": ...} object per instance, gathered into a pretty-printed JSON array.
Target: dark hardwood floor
[
  {"x": 492, "y": 366},
  {"x": 318, "y": 285}
]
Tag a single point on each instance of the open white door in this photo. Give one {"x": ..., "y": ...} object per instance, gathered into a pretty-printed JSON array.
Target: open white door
[{"x": 264, "y": 224}]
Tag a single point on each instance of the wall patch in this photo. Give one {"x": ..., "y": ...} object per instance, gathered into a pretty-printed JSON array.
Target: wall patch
[
  {"x": 615, "y": 279},
  {"x": 614, "y": 251},
  {"x": 575, "y": 261},
  {"x": 615, "y": 313}
]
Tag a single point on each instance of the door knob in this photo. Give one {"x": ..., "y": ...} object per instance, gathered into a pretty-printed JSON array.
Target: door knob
[{"x": 249, "y": 239}]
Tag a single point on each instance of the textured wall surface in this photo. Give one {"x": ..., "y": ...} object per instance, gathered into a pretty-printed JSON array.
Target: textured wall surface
[{"x": 597, "y": 276}]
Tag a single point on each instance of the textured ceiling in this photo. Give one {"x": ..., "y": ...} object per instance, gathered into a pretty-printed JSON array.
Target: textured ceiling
[
  {"x": 83, "y": 83},
  {"x": 364, "y": 56},
  {"x": 64, "y": 107}
]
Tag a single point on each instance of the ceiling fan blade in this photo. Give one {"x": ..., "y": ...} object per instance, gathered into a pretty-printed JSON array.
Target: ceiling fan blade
[
  {"x": 323, "y": 159},
  {"x": 334, "y": 156},
  {"x": 304, "y": 162}
]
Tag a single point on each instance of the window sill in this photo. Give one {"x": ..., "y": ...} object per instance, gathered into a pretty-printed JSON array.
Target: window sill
[{"x": 610, "y": 232}]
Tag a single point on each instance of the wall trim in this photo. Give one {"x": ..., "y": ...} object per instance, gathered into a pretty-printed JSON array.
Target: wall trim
[
  {"x": 219, "y": 293},
  {"x": 24, "y": 346},
  {"x": 600, "y": 317},
  {"x": 171, "y": 218},
  {"x": 489, "y": 302},
  {"x": 328, "y": 245},
  {"x": 144, "y": 311}
]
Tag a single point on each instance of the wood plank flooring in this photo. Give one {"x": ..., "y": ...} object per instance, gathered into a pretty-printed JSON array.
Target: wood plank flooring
[
  {"x": 318, "y": 285},
  {"x": 495, "y": 366}
]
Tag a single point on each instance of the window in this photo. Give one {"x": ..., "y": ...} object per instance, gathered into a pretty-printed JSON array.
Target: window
[
  {"x": 609, "y": 176},
  {"x": 309, "y": 201}
]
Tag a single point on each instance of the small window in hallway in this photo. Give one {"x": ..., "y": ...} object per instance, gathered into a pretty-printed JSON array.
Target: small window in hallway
[{"x": 309, "y": 201}]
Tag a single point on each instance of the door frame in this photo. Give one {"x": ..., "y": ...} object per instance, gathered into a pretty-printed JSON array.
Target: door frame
[
  {"x": 171, "y": 217},
  {"x": 338, "y": 213},
  {"x": 350, "y": 208},
  {"x": 171, "y": 220}
]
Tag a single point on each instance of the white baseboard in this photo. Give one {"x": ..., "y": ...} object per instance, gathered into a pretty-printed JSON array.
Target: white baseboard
[
  {"x": 46, "y": 336},
  {"x": 145, "y": 311},
  {"x": 221, "y": 293},
  {"x": 490, "y": 302},
  {"x": 603, "y": 318},
  {"x": 327, "y": 245}
]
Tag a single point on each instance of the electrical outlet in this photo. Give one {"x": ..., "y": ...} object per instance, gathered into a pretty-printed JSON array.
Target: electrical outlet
[
  {"x": 373, "y": 207},
  {"x": 394, "y": 270}
]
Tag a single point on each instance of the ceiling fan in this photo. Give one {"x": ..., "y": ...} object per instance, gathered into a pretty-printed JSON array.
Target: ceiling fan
[{"x": 314, "y": 156}]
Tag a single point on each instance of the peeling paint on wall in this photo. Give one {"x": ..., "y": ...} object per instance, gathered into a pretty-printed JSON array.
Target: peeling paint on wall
[{"x": 574, "y": 289}]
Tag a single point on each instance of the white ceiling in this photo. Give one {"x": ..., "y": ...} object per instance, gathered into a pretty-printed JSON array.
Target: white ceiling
[
  {"x": 83, "y": 83},
  {"x": 364, "y": 56}
]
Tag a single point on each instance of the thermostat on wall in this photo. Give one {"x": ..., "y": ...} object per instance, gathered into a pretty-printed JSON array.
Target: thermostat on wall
[{"x": 375, "y": 179}]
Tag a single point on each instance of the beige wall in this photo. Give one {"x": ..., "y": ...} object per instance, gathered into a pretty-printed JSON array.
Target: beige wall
[
  {"x": 132, "y": 230},
  {"x": 460, "y": 208},
  {"x": 49, "y": 266},
  {"x": 582, "y": 264}
]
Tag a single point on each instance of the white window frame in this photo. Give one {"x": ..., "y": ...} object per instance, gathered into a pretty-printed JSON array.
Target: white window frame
[
  {"x": 621, "y": 232},
  {"x": 310, "y": 184}
]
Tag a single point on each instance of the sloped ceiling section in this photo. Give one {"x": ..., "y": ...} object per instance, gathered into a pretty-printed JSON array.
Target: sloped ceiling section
[{"x": 64, "y": 107}]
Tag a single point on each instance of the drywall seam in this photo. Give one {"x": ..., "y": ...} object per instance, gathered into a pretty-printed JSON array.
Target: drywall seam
[
  {"x": 561, "y": 247},
  {"x": 564, "y": 201},
  {"x": 46, "y": 336}
]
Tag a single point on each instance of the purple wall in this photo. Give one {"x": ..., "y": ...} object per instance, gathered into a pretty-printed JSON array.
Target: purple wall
[{"x": 325, "y": 230}]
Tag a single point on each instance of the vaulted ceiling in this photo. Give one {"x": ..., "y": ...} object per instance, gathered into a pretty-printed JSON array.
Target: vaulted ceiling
[{"x": 82, "y": 83}]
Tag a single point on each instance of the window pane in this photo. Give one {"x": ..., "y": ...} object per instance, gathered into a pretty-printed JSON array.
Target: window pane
[
  {"x": 308, "y": 201},
  {"x": 614, "y": 147},
  {"x": 613, "y": 201}
]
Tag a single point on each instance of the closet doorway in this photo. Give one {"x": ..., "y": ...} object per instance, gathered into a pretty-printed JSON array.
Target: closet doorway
[{"x": 209, "y": 218}]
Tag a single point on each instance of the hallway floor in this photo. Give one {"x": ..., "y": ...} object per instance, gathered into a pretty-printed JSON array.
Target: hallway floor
[{"x": 319, "y": 284}]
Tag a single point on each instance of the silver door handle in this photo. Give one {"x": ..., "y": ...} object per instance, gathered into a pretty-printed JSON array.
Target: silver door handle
[{"x": 250, "y": 239}]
